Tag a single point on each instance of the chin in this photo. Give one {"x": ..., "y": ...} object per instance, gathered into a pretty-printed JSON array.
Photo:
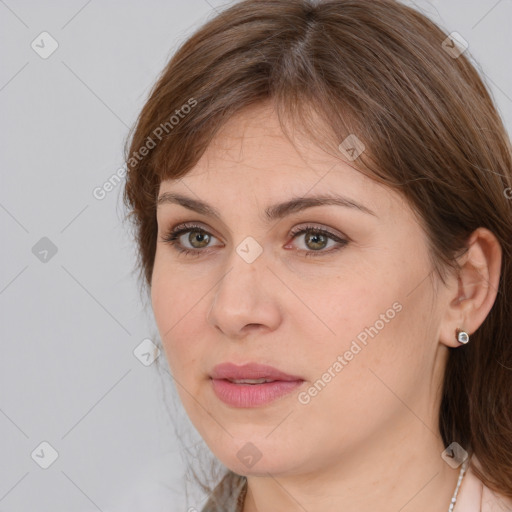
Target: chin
[{"x": 258, "y": 458}]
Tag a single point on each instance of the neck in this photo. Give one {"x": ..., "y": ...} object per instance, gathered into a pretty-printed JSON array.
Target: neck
[{"x": 402, "y": 471}]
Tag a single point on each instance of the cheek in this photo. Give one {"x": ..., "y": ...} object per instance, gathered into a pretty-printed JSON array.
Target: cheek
[
  {"x": 176, "y": 314},
  {"x": 381, "y": 333}
]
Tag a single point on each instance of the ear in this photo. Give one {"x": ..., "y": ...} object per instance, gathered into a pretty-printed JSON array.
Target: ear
[{"x": 473, "y": 291}]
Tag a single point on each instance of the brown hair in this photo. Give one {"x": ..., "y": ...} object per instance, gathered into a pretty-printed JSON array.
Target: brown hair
[{"x": 385, "y": 72}]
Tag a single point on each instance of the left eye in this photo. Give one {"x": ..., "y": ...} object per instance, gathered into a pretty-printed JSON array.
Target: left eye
[{"x": 316, "y": 239}]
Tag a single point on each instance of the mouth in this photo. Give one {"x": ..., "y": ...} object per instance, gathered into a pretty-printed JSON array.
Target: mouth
[
  {"x": 251, "y": 372},
  {"x": 251, "y": 385},
  {"x": 249, "y": 381}
]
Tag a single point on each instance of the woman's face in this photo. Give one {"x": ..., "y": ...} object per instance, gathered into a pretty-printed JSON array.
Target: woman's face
[{"x": 351, "y": 317}]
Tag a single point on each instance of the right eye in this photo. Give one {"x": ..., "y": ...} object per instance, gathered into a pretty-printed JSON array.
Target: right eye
[{"x": 196, "y": 233}]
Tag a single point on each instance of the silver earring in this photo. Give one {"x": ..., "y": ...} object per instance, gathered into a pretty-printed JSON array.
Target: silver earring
[{"x": 462, "y": 336}]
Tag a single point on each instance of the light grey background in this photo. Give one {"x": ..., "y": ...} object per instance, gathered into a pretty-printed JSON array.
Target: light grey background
[{"x": 70, "y": 323}]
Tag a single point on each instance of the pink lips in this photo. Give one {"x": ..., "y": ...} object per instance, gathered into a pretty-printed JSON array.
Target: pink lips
[{"x": 251, "y": 395}]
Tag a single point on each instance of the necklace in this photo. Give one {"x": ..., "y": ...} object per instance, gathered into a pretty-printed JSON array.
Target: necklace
[{"x": 461, "y": 476}]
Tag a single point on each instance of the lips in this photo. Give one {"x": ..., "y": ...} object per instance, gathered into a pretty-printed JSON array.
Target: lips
[
  {"x": 251, "y": 385},
  {"x": 251, "y": 371}
]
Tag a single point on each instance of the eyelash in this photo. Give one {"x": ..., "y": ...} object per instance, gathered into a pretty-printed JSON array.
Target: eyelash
[{"x": 172, "y": 237}]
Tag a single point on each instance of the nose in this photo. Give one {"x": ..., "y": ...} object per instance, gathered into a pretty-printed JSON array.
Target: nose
[{"x": 246, "y": 300}]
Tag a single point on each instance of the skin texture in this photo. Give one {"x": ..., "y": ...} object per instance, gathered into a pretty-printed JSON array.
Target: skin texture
[{"x": 369, "y": 439}]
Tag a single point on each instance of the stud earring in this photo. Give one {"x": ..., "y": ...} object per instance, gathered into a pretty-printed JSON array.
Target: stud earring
[{"x": 462, "y": 336}]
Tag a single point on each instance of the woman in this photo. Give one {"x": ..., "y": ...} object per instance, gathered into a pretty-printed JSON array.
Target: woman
[{"x": 321, "y": 195}]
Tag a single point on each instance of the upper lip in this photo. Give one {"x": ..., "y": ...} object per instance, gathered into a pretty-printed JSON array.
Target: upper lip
[{"x": 231, "y": 371}]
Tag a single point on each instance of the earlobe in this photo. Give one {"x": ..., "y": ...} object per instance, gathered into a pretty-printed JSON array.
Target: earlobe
[{"x": 475, "y": 289}]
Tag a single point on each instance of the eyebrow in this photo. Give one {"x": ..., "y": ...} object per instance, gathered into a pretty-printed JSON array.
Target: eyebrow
[{"x": 276, "y": 211}]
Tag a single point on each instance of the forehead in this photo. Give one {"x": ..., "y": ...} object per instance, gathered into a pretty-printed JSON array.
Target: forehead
[
  {"x": 251, "y": 147},
  {"x": 251, "y": 157}
]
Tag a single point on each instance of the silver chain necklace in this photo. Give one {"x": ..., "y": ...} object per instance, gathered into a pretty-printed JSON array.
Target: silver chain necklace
[{"x": 461, "y": 476}]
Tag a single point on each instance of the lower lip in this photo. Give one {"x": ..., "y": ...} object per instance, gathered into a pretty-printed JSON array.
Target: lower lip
[{"x": 252, "y": 395}]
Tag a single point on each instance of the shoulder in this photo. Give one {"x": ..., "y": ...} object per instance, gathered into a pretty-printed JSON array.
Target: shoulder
[{"x": 475, "y": 496}]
